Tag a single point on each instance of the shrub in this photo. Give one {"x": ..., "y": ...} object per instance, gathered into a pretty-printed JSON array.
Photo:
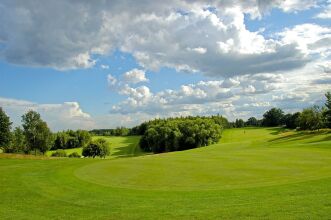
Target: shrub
[
  {"x": 74, "y": 155},
  {"x": 99, "y": 147},
  {"x": 59, "y": 153}
]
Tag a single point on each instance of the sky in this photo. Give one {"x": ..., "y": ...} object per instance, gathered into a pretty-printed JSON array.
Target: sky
[{"x": 103, "y": 64}]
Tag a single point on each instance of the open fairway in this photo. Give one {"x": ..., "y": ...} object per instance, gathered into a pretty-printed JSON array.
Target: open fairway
[{"x": 253, "y": 173}]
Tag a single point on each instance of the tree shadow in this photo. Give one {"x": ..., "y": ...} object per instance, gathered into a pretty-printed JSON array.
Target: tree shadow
[
  {"x": 303, "y": 135},
  {"x": 129, "y": 148},
  {"x": 277, "y": 130},
  {"x": 328, "y": 138}
]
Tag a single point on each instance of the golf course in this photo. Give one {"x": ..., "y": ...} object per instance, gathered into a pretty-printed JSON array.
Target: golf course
[{"x": 251, "y": 173}]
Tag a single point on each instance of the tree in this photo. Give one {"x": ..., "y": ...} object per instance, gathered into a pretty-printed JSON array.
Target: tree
[
  {"x": 273, "y": 117},
  {"x": 99, "y": 147},
  {"x": 71, "y": 139},
  {"x": 239, "y": 123},
  {"x": 84, "y": 137},
  {"x": 327, "y": 112},
  {"x": 5, "y": 126},
  {"x": 18, "y": 141},
  {"x": 36, "y": 132},
  {"x": 291, "y": 120},
  {"x": 60, "y": 142},
  {"x": 310, "y": 119},
  {"x": 104, "y": 148},
  {"x": 252, "y": 121}
]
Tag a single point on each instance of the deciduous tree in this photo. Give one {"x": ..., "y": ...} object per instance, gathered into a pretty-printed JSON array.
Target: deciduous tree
[
  {"x": 273, "y": 117},
  {"x": 5, "y": 126},
  {"x": 36, "y": 132}
]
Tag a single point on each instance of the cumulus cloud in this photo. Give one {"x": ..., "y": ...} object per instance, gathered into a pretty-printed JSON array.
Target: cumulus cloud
[
  {"x": 134, "y": 76},
  {"x": 326, "y": 12},
  {"x": 252, "y": 71},
  {"x": 210, "y": 37},
  {"x": 310, "y": 38},
  {"x": 67, "y": 115},
  {"x": 239, "y": 96},
  {"x": 112, "y": 81}
]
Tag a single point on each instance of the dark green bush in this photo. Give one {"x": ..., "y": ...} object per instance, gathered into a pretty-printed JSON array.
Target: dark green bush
[{"x": 99, "y": 147}]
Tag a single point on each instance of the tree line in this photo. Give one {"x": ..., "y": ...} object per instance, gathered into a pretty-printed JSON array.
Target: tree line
[
  {"x": 312, "y": 118},
  {"x": 141, "y": 128},
  {"x": 35, "y": 137},
  {"x": 159, "y": 135},
  {"x": 119, "y": 131}
]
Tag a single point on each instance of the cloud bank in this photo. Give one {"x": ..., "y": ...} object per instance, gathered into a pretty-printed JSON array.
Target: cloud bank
[{"x": 205, "y": 36}]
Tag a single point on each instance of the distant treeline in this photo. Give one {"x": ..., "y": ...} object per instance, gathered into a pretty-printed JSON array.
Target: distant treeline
[
  {"x": 159, "y": 135},
  {"x": 312, "y": 118},
  {"x": 120, "y": 131},
  {"x": 140, "y": 129},
  {"x": 36, "y": 137}
]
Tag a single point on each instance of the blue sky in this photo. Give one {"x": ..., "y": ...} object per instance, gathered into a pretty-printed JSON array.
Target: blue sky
[{"x": 110, "y": 64}]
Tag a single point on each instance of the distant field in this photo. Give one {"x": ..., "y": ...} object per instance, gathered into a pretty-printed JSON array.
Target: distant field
[{"x": 253, "y": 173}]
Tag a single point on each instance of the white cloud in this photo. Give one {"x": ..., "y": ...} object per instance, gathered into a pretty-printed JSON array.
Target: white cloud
[
  {"x": 200, "y": 50},
  {"x": 240, "y": 96},
  {"x": 310, "y": 38},
  {"x": 296, "y": 5},
  {"x": 249, "y": 89},
  {"x": 67, "y": 115},
  {"x": 179, "y": 34},
  {"x": 326, "y": 13},
  {"x": 134, "y": 76},
  {"x": 103, "y": 66},
  {"x": 254, "y": 71},
  {"x": 112, "y": 81}
]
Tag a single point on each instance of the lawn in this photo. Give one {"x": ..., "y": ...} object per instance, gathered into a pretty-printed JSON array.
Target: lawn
[{"x": 251, "y": 173}]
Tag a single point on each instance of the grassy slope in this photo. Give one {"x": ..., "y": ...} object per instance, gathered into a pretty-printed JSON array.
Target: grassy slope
[
  {"x": 119, "y": 147},
  {"x": 253, "y": 173}
]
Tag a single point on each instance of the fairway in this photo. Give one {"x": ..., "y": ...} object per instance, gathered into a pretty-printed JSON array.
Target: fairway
[{"x": 252, "y": 173}]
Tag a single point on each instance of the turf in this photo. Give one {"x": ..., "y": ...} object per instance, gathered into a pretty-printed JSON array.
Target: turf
[{"x": 251, "y": 174}]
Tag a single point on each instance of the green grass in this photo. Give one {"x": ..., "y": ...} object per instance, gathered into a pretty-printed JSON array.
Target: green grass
[
  {"x": 119, "y": 147},
  {"x": 251, "y": 174}
]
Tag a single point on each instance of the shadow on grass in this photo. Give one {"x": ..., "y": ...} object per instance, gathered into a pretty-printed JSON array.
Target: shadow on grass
[
  {"x": 130, "y": 148},
  {"x": 303, "y": 135},
  {"x": 328, "y": 138},
  {"x": 277, "y": 130}
]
